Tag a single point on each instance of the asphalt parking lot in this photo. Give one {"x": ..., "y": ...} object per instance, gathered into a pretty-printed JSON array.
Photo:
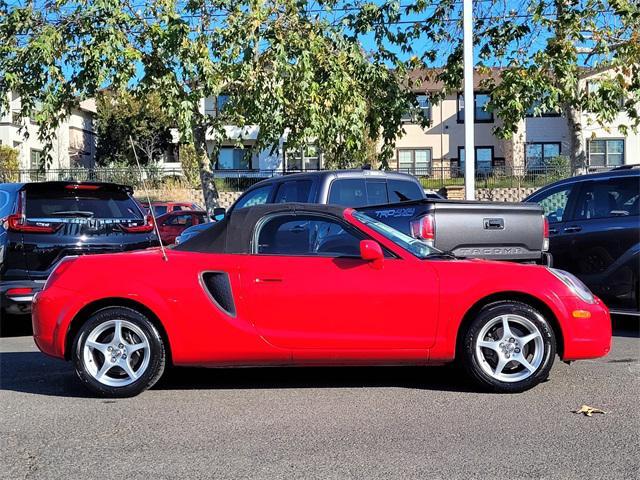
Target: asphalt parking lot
[{"x": 321, "y": 423}]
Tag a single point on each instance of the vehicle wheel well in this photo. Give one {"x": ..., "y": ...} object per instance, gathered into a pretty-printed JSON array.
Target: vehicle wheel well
[
  {"x": 83, "y": 315},
  {"x": 516, "y": 297}
]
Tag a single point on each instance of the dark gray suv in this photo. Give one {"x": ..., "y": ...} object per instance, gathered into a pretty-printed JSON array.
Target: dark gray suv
[{"x": 350, "y": 188}]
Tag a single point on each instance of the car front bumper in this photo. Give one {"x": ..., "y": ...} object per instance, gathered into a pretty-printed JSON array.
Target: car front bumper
[{"x": 587, "y": 331}]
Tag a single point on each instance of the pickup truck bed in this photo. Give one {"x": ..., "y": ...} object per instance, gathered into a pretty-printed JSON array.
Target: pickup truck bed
[{"x": 489, "y": 230}]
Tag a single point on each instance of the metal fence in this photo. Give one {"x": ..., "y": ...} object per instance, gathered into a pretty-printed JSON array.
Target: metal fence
[
  {"x": 434, "y": 178},
  {"x": 127, "y": 176}
]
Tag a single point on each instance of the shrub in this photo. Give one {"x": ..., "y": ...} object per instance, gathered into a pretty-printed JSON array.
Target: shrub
[{"x": 9, "y": 164}]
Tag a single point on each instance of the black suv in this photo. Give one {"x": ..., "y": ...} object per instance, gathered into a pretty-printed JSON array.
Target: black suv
[
  {"x": 594, "y": 232},
  {"x": 40, "y": 223}
]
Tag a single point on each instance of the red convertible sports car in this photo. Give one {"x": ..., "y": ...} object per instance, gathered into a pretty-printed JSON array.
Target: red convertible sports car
[{"x": 297, "y": 284}]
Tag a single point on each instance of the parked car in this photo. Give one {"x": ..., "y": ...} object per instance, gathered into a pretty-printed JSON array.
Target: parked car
[
  {"x": 301, "y": 284},
  {"x": 172, "y": 224},
  {"x": 594, "y": 228},
  {"x": 498, "y": 231},
  {"x": 160, "y": 208},
  {"x": 40, "y": 223}
]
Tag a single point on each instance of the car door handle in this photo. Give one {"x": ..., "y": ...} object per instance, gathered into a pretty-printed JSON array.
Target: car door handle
[
  {"x": 573, "y": 228},
  {"x": 553, "y": 230},
  {"x": 268, "y": 280}
]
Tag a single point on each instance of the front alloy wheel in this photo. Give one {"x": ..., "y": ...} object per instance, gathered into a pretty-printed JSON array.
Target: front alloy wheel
[
  {"x": 509, "y": 347},
  {"x": 118, "y": 352}
]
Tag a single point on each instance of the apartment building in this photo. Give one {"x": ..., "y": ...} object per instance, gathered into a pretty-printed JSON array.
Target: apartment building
[
  {"x": 74, "y": 144},
  {"x": 439, "y": 149}
]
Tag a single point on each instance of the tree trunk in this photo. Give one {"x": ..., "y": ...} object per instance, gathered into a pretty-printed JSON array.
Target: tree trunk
[
  {"x": 207, "y": 178},
  {"x": 576, "y": 139}
]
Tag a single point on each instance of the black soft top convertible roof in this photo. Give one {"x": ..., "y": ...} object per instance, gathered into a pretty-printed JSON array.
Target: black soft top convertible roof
[{"x": 234, "y": 233}]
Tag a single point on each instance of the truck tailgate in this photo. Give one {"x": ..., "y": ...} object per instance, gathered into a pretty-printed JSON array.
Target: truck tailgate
[{"x": 491, "y": 230}]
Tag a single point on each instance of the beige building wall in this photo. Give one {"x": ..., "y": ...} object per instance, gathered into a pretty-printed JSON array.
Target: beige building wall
[{"x": 74, "y": 136}]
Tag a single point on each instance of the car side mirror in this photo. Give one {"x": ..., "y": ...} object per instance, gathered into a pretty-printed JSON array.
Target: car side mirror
[
  {"x": 371, "y": 251},
  {"x": 218, "y": 214}
]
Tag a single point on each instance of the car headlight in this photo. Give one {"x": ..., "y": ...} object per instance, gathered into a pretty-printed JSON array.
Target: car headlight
[{"x": 574, "y": 284}]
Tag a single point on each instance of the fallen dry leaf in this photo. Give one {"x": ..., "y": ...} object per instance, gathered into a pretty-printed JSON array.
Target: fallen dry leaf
[{"x": 588, "y": 411}]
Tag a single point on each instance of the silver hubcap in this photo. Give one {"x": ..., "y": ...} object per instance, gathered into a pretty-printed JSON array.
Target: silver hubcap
[
  {"x": 510, "y": 348},
  {"x": 116, "y": 353}
]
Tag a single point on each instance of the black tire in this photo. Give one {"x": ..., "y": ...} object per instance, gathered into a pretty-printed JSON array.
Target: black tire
[
  {"x": 477, "y": 367},
  {"x": 156, "y": 353}
]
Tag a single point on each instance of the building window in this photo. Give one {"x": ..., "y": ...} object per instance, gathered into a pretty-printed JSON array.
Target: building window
[
  {"x": 484, "y": 160},
  {"x": 606, "y": 152},
  {"x": 15, "y": 118},
  {"x": 424, "y": 105},
  {"x": 307, "y": 157},
  {"x": 539, "y": 154},
  {"x": 35, "y": 162},
  {"x": 414, "y": 160},
  {"x": 480, "y": 101},
  {"x": 214, "y": 105},
  {"x": 231, "y": 158}
]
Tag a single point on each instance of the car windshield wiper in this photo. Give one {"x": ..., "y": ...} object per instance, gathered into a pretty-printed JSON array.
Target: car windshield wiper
[
  {"x": 443, "y": 254},
  {"x": 74, "y": 213}
]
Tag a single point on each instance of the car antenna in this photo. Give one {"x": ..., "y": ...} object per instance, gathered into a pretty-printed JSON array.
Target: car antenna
[{"x": 146, "y": 191}]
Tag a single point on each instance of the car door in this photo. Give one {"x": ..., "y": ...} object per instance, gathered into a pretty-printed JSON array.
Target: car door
[
  {"x": 557, "y": 204},
  {"x": 174, "y": 225},
  {"x": 602, "y": 232},
  {"x": 310, "y": 290}
]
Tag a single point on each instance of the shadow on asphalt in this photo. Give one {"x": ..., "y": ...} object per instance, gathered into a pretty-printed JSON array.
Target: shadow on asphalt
[{"x": 33, "y": 372}]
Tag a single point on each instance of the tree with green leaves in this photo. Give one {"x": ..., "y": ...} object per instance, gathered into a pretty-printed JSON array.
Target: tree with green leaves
[
  {"x": 123, "y": 117},
  {"x": 545, "y": 48},
  {"x": 9, "y": 164},
  {"x": 287, "y": 66}
]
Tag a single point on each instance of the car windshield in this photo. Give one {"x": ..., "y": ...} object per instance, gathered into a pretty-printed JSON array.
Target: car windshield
[{"x": 416, "y": 247}]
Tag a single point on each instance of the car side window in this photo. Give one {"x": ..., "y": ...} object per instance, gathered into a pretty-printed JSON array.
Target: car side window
[
  {"x": 159, "y": 210},
  {"x": 403, "y": 190},
  {"x": 608, "y": 198},
  {"x": 554, "y": 203},
  {"x": 258, "y": 196},
  {"x": 180, "y": 220},
  {"x": 294, "y": 191},
  {"x": 348, "y": 192},
  {"x": 307, "y": 235}
]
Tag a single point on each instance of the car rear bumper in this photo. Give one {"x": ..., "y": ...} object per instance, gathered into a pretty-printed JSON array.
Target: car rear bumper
[
  {"x": 50, "y": 316},
  {"x": 16, "y": 295},
  {"x": 586, "y": 337}
]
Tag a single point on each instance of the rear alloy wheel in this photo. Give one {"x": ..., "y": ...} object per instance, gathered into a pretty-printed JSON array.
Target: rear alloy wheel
[
  {"x": 118, "y": 353},
  {"x": 509, "y": 347}
]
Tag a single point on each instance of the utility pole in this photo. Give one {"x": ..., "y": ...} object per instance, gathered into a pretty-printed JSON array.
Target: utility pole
[{"x": 469, "y": 104}]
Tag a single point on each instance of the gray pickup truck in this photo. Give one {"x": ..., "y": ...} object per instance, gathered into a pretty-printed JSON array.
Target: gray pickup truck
[
  {"x": 498, "y": 231},
  {"x": 490, "y": 230}
]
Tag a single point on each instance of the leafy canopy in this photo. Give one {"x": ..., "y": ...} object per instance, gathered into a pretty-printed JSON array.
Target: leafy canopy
[{"x": 286, "y": 64}]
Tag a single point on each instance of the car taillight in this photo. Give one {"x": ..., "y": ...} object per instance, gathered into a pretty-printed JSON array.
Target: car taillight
[
  {"x": 80, "y": 186},
  {"x": 18, "y": 223},
  {"x": 424, "y": 228},
  {"x": 148, "y": 226},
  {"x": 545, "y": 234},
  {"x": 18, "y": 292}
]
